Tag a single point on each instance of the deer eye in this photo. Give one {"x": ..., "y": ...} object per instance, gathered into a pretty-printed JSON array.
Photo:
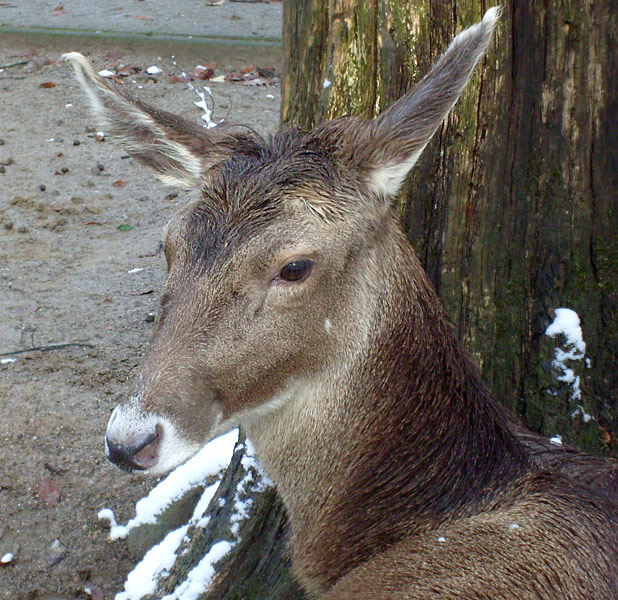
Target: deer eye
[{"x": 296, "y": 271}]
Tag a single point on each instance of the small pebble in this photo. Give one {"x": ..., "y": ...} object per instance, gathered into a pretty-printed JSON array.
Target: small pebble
[
  {"x": 8, "y": 225},
  {"x": 7, "y": 161},
  {"x": 22, "y": 229},
  {"x": 76, "y": 142},
  {"x": 101, "y": 166},
  {"x": 55, "y": 552},
  {"x": 95, "y": 171},
  {"x": 65, "y": 169},
  {"x": 150, "y": 316},
  {"x": 42, "y": 187},
  {"x": 1, "y": 142},
  {"x": 2, "y": 169}
]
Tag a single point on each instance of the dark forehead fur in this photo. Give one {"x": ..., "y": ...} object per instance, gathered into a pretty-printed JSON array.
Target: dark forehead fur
[{"x": 260, "y": 182}]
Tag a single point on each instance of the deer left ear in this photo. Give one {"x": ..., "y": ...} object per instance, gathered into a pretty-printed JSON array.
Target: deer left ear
[
  {"x": 177, "y": 151},
  {"x": 387, "y": 147}
]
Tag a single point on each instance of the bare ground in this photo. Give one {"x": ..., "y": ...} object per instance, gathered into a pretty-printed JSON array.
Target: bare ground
[{"x": 64, "y": 277}]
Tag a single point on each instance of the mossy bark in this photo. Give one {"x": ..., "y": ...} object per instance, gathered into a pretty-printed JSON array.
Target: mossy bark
[{"x": 513, "y": 206}]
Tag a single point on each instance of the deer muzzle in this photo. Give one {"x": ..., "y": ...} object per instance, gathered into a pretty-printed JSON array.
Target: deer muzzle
[{"x": 145, "y": 442}]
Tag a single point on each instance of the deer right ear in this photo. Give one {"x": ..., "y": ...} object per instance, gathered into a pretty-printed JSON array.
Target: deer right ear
[
  {"x": 387, "y": 147},
  {"x": 178, "y": 151}
]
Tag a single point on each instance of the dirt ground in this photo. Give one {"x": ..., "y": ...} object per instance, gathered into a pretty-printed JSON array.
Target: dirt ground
[{"x": 65, "y": 277}]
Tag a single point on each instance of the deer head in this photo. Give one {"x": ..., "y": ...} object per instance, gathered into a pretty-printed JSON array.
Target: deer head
[{"x": 278, "y": 268}]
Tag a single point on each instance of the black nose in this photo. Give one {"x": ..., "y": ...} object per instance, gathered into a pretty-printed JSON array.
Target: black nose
[{"x": 124, "y": 456}]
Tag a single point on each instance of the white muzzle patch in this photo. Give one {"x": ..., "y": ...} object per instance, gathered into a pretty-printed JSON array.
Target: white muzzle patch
[{"x": 128, "y": 424}]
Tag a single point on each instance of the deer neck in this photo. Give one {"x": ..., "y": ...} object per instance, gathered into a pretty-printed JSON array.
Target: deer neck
[{"x": 399, "y": 436}]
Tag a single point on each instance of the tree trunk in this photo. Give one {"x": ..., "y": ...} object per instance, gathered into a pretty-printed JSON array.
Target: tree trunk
[
  {"x": 256, "y": 565},
  {"x": 513, "y": 206}
]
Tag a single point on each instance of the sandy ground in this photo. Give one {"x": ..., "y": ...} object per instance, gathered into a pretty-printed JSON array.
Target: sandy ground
[{"x": 64, "y": 277}]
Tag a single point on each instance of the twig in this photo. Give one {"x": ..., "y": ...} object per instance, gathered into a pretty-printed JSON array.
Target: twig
[
  {"x": 47, "y": 348},
  {"x": 15, "y": 64}
]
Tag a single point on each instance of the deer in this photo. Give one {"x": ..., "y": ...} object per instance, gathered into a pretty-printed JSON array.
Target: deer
[{"x": 295, "y": 306}]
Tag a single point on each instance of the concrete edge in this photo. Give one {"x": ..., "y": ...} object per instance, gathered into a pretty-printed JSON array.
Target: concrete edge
[{"x": 149, "y": 36}]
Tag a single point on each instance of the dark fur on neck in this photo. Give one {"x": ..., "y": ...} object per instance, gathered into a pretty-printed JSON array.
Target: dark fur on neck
[{"x": 431, "y": 446}]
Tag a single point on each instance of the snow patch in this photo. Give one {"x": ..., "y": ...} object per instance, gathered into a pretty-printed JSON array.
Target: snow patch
[
  {"x": 567, "y": 323},
  {"x": 556, "y": 440},
  {"x": 6, "y": 361},
  {"x": 143, "y": 579},
  {"x": 198, "y": 579},
  {"x": 6, "y": 559},
  {"x": 580, "y": 411},
  {"x": 106, "y": 73},
  {"x": 154, "y": 70},
  {"x": 207, "y": 116}
]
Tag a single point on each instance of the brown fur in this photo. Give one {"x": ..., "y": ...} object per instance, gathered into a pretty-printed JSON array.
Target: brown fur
[{"x": 402, "y": 476}]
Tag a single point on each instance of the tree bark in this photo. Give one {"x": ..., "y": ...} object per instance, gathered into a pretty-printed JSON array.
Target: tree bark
[
  {"x": 513, "y": 206},
  {"x": 256, "y": 565}
]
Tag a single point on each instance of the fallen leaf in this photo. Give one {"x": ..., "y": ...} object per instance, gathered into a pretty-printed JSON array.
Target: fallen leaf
[
  {"x": 48, "y": 84},
  {"x": 606, "y": 436},
  {"x": 141, "y": 293},
  {"x": 59, "y": 7},
  {"x": 94, "y": 223},
  {"x": 267, "y": 72},
  {"x": 202, "y": 72},
  {"x": 143, "y": 17},
  {"x": 127, "y": 71},
  {"x": 44, "y": 60},
  {"x": 113, "y": 55},
  {"x": 49, "y": 492},
  {"x": 124, "y": 227},
  {"x": 176, "y": 79},
  {"x": 119, "y": 183},
  {"x": 247, "y": 69}
]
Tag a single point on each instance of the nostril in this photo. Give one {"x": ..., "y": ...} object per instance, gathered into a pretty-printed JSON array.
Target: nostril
[
  {"x": 148, "y": 455},
  {"x": 139, "y": 457}
]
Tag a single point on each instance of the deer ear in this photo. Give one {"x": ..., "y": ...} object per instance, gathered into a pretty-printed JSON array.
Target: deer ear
[
  {"x": 389, "y": 145},
  {"x": 178, "y": 151}
]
